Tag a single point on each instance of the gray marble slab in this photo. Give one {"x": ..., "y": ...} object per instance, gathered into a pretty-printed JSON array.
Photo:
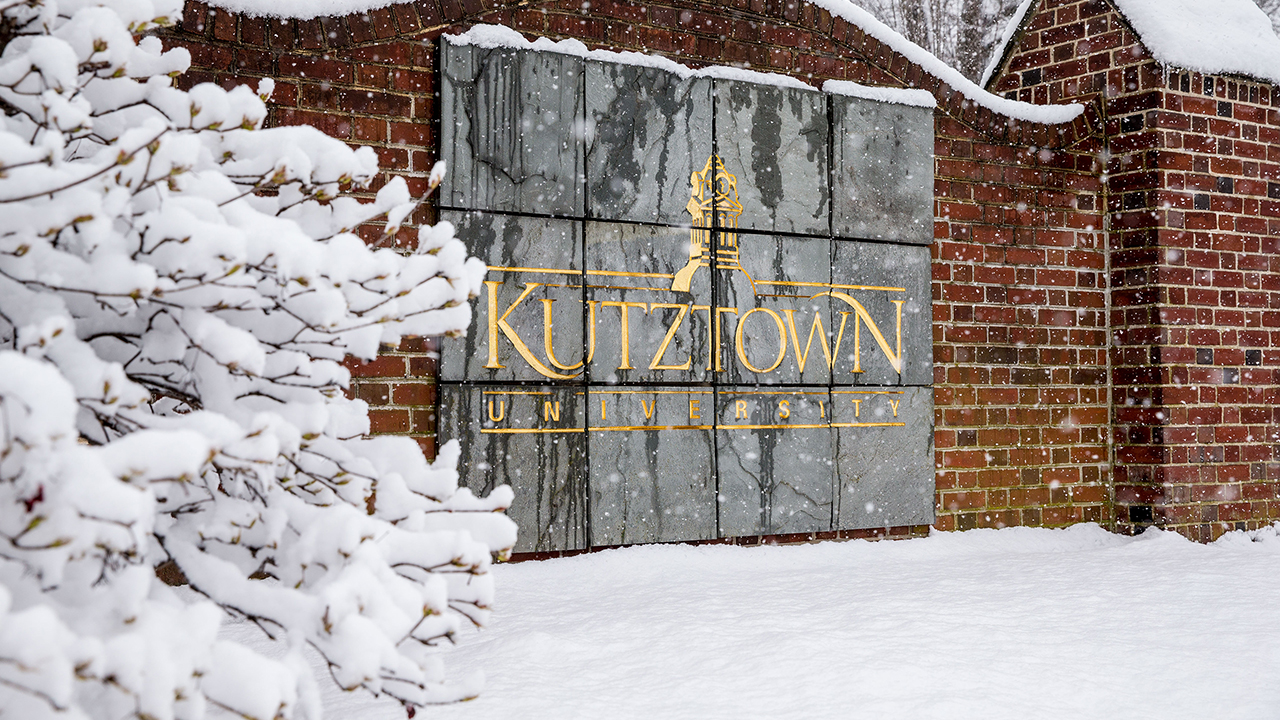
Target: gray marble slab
[
  {"x": 775, "y": 461},
  {"x": 512, "y": 129},
  {"x": 534, "y": 281},
  {"x": 533, "y": 439},
  {"x": 666, "y": 330},
  {"x": 778, "y": 290},
  {"x": 870, "y": 267},
  {"x": 774, "y": 140},
  {"x": 652, "y": 474},
  {"x": 882, "y": 185},
  {"x": 642, "y": 414},
  {"x": 648, "y": 130},
  {"x": 885, "y": 474}
]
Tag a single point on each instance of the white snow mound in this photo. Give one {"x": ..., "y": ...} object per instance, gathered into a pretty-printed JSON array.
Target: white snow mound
[
  {"x": 994, "y": 624},
  {"x": 1212, "y": 36}
]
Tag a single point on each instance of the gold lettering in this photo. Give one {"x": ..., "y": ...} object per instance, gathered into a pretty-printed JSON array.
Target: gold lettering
[
  {"x": 502, "y": 410},
  {"x": 492, "y": 287},
  {"x": 546, "y": 327},
  {"x": 671, "y": 333},
  {"x": 694, "y": 412},
  {"x": 784, "y": 409},
  {"x": 551, "y": 412},
  {"x": 626, "y": 328},
  {"x": 591, "y": 329},
  {"x": 648, "y": 409},
  {"x": 894, "y": 404},
  {"x": 502, "y": 325},
  {"x": 844, "y": 320},
  {"x": 802, "y": 358},
  {"x": 603, "y": 414},
  {"x": 863, "y": 316},
  {"x": 822, "y": 410},
  {"x": 857, "y": 407},
  {"x": 740, "y": 410},
  {"x": 716, "y": 343},
  {"x": 742, "y": 351},
  {"x": 710, "y": 339}
]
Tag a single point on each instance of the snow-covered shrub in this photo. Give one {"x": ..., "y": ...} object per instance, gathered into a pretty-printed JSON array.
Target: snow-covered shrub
[{"x": 178, "y": 290}]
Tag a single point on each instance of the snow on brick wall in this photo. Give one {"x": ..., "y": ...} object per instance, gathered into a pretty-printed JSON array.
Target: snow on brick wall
[{"x": 1023, "y": 419}]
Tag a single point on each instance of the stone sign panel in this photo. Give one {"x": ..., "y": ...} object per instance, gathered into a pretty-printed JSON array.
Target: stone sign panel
[{"x": 707, "y": 312}]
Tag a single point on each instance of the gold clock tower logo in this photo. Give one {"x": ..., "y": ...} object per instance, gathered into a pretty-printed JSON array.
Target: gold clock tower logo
[{"x": 714, "y": 190}]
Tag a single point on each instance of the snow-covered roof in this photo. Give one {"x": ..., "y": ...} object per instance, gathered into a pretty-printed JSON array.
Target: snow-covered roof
[
  {"x": 1212, "y": 36},
  {"x": 1006, "y": 37},
  {"x": 1047, "y": 114},
  {"x": 1217, "y": 37}
]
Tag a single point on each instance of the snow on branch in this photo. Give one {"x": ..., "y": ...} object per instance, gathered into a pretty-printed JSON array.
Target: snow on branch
[{"x": 178, "y": 290}]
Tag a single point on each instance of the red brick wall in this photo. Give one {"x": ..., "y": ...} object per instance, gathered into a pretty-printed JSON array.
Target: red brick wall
[
  {"x": 1217, "y": 224},
  {"x": 401, "y": 391},
  {"x": 1020, "y": 268},
  {"x": 1193, "y": 219}
]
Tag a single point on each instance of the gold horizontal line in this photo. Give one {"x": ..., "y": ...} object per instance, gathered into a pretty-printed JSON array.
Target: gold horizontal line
[
  {"x": 651, "y": 427},
  {"x": 774, "y": 427},
  {"x": 867, "y": 392},
  {"x": 768, "y": 392},
  {"x": 669, "y": 276},
  {"x": 531, "y": 431},
  {"x": 620, "y": 273},
  {"x": 808, "y": 427},
  {"x": 535, "y": 270},
  {"x": 523, "y": 392},
  {"x": 627, "y": 287},
  {"x": 830, "y": 285},
  {"x": 866, "y": 287},
  {"x": 651, "y": 392},
  {"x": 636, "y": 428}
]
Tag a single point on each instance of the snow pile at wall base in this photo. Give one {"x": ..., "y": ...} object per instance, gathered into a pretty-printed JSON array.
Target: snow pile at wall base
[{"x": 995, "y": 624}]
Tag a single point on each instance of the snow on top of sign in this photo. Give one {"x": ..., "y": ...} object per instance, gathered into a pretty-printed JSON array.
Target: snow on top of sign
[
  {"x": 724, "y": 72},
  {"x": 301, "y": 9},
  {"x": 1210, "y": 36},
  {"x": 1048, "y": 114},
  {"x": 897, "y": 96},
  {"x": 492, "y": 36}
]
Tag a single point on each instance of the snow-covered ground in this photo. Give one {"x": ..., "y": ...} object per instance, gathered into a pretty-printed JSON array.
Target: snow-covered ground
[{"x": 1015, "y": 623}]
